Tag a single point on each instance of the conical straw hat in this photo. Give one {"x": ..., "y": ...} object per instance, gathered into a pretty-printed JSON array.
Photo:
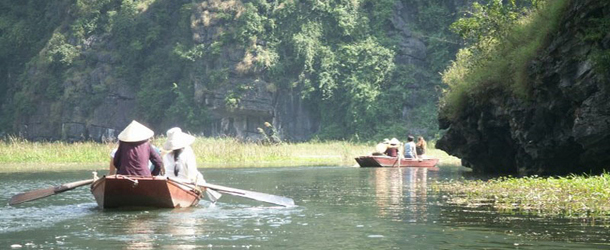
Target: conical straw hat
[
  {"x": 177, "y": 139},
  {"x": 135, "y": 132},
  {"x": 394, "y": 143},
  {"x": 381, "y": 147}
]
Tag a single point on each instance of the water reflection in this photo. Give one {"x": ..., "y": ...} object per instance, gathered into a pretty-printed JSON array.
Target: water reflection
[
  {"x": 149, "y": 229},
  {"x": 338, "y": 208},
  {"x": 141, "y": 232},
  {"x": 400, "y": 189}
]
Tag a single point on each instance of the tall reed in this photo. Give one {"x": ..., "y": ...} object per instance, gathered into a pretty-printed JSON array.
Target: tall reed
[{"x": 22, "y": 155}]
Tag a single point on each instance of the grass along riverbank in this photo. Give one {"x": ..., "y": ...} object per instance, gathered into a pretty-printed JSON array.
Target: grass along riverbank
[
  {"x": 572, "y": 196},
  {"x": 18, "y": 155}
]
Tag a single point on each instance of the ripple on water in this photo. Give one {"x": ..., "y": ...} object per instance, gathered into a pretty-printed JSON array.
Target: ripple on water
[
  {"x": 338, "y": 209},
  {"x": 34, "y": 217}
]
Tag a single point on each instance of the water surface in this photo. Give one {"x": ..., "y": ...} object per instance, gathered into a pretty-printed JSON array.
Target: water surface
[{"x": 337, "y": 208}]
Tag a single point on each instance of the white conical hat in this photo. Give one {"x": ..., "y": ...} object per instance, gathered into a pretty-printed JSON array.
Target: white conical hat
[
  {"x": 177, "y": 139},
  {"x": 394, "y": 143},
  {"x": 381, "y": 147},
  {"x": 135, "y": 132}
]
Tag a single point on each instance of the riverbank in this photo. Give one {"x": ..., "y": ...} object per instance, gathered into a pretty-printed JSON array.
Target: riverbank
[
  {"x": 573, "y": 196},
  {"x": 23, "y": 156}
]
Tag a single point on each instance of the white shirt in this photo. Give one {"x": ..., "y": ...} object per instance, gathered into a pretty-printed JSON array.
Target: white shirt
[
  {"x": 188, "y": 171},
  {"x": 410, "y": 151}
]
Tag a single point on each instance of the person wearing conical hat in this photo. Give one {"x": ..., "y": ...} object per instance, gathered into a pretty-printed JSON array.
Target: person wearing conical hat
[
  {"x": 381, "y": 147},
  {"x": 180, "y": 160},
  {"x": 392, "y": 149},
  {"x": 135, "y": 150}
]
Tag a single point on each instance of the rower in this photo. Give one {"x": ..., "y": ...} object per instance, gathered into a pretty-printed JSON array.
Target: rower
[
  {"x": 135, "y": 151},
  {"x": 392, "y": 149}
]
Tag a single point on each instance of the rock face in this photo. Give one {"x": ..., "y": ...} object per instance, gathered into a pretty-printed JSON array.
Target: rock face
[
  {"x": 564, "y": 129},
  {"x": 411, "y": 50},
  {"x": 282, "y": 107},
  {"x": 77, "y": 121},
  {"x": 115, "y": 106},
  {"x": 259, "y": 102}
]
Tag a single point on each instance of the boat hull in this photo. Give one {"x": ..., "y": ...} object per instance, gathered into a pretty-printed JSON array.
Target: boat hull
[
  {"x": 116, "y": 191},
  {"x": 374, "y": 161}
]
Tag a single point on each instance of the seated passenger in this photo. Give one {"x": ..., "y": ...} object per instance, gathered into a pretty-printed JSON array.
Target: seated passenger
[
  {"x": 410, "y": 149},
  {"x": 381, "y": 147},
  {"x": 420, "y": 147},
  {"x": 180, "y": 160}
]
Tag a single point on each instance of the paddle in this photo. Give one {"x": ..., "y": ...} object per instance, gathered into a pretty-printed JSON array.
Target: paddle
[
  {"x": 212, "y": 195},
  {"x": 397, "y": 157},
  {"x": 397, "y": 160},
  {"x": 269, "y": 198},
  {"x": 45, "y": 192}
]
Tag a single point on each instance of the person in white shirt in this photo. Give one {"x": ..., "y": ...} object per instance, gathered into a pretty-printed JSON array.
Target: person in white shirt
[
  {"x": 410, "y": 151},
  {"x": 179, "y": 161}
]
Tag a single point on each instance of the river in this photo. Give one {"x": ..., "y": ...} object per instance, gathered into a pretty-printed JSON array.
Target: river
[{"x": 337, "y": 208}]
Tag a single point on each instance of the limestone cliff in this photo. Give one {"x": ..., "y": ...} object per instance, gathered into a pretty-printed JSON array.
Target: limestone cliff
[
  {"x": 94, "y": 99},
  {"x": 564, "y": 128}
]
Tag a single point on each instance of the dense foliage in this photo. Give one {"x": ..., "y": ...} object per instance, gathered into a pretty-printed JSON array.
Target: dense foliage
[
  {"x": 502, "y": 37},
  {"x": 340, "y": 55},
  {"x": 25, "y": 28}
]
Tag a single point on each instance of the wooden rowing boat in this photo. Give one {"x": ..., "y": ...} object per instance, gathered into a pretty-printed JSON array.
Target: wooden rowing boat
[
  {"x": 117, "y": 191},
  {"x": 379, "y": 161}
]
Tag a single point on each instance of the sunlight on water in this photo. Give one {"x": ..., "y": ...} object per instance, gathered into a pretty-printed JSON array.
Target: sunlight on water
[{"x": 337, "y": 208}]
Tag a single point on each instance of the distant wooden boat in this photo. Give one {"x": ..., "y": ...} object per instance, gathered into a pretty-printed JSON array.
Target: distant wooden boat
[
  {"x": 117, "y": 191},
  {"x": 378, "y": 161}
]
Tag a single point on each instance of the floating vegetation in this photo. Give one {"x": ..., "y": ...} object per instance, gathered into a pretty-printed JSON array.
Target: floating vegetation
[{"x": 572, "y": 196}]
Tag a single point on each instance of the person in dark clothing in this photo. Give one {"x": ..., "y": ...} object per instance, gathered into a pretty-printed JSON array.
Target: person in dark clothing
[
  {"x": 421, "y": 147},
  {"x": 135, "y": 151},
  {"x": 392, "y": 149}
]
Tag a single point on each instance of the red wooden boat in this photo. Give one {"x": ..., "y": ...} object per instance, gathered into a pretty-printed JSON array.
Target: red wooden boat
[
  {"x": 379, "y": 161},
  {"x": 116, "y": 191}
]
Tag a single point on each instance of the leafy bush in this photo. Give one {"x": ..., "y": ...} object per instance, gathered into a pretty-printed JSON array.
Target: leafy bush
[{"x": 504, "y": 40}]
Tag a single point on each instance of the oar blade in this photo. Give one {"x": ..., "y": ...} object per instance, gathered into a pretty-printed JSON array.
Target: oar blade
[
  {"x": 269, "y": 198},
  {"x": 212, "y": 195},
  {"x": 45, "y": 192},
  {"x": 273, "y": 199},
  {"x": 31, "y": 195}
]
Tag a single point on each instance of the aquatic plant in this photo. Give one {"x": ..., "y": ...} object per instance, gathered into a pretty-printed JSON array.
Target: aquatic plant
[{"x": 572, "y": 196}]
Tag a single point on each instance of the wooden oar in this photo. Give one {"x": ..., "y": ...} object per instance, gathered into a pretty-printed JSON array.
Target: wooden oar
[
  {"x": 269, "y": 198},
  {"x": 397, "y": 158},
  {"x": 397, "y": 161},
  {"x": 212, "y": 195},
  {"x": 45, "y": 192}
]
